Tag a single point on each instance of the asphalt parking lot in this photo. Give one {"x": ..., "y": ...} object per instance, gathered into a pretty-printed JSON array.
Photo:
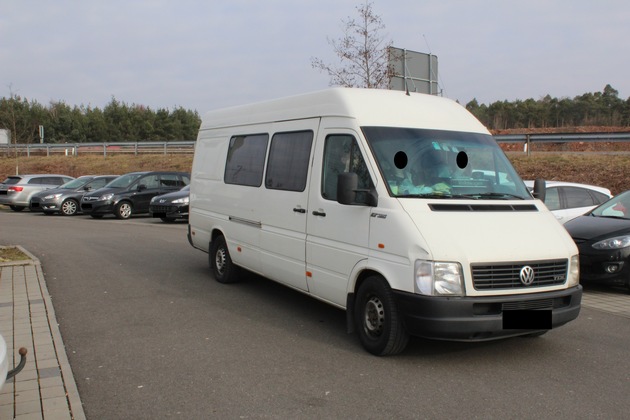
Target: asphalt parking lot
[{"x": 149, "y": 334}]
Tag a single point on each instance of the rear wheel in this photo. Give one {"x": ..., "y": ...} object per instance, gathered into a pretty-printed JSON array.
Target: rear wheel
[
  {"x": 123, "y": 210},
  {"x": 221, "y": 263},
  {"x": 16, "y": 208},
  {"x": 379, "y": 324},
  {"x": 69, "y": 207}
]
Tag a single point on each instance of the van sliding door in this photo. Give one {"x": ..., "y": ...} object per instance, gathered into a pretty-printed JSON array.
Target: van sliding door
[{"x": 283, "y": 210}]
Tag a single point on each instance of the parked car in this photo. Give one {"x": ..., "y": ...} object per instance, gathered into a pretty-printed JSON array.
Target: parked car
[
  {"x": 16, "y": 191},
  {"x": 568, "y": 200},
  {"x": 172, "y": 206},
  {"x": 67, "y": 198},
  {"x": 131, "y": 193},
  {"x": 603, "y": 238}
]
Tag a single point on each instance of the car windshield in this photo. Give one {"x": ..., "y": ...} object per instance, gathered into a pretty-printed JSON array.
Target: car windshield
[
  {"x": 76, "y": 183},
  {"x": 617, "y": 207},
  {"x": 123, "y": 181},
  {"x": 419, "y": 163}
]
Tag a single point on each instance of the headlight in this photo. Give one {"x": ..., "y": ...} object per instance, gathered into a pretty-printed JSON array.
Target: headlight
[
  {"x": 181, "y": 200},
  {"x": 52, "y": 197},
  {"x": 106, "y": 197},
  {"x": 613, "y": 243},
  {"x": 574, "y": 271},
  {"x": 438, "y": 278}
]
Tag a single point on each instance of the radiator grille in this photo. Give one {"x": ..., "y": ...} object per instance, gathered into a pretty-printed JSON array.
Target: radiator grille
[{"x": 508, "y": 275}]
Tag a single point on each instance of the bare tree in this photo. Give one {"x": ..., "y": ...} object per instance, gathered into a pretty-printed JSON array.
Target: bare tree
[{"x": 362, "y": 51}]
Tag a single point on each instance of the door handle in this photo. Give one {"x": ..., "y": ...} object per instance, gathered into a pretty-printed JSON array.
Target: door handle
[
  {"x": 319, "y": 213},
  {"x": 299, "y": 210}
]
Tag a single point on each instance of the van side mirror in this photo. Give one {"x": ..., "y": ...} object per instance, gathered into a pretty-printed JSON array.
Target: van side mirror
[
  {"x": 540, "y": 189},
  {"x": 348, "y": 192}
]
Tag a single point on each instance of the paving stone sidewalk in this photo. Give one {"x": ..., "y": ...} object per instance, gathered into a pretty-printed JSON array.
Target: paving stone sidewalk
[{"x": 45, "y": 389}]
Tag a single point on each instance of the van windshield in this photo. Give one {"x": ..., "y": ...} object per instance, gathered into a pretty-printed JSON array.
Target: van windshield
[{"x": 418, "y": 163}]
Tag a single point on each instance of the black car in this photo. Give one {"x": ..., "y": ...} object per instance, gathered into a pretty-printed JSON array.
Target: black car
[
  {"x": 131, "y": 193},
  {"x": 603, "y": 238},
  {"x": 67, "y": 198},
  {"x": 172, "y": 206}
]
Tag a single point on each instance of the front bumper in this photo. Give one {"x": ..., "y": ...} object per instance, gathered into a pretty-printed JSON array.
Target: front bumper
[
  {"x": 605, "y": 267},
  {"x": 97, "y": 207},
  {"x": 482, "y": 318},
  {"x": 172, "y": 212},
  {"x": 39, "y": 204}
]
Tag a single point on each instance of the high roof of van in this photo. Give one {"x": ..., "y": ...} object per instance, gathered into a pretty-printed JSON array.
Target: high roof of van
[{"x": 370, "y": 107}]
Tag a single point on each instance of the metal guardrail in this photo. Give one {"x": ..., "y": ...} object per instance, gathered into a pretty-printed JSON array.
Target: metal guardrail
[
  {"x": 188, "y": 146},
  {"x": 76, "y": 149},
  {"x": 562, "y": 138}
]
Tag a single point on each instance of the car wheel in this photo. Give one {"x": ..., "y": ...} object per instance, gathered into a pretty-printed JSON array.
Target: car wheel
[
  {"x": 221, "y": 263},
  {"x": 380, "y": 327},
  {"x": 16, "y": 208},
  {"x": 49, "y": 213},
  {"x": 96, "y": 216},
  {"x": 69, "y": 207},
  {"x": 167, "y": 220},
  {"x": 123, "y": 210}
]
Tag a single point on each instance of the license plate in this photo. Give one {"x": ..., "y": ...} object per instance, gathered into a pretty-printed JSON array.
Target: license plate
[{"x": 527, "y": 320}]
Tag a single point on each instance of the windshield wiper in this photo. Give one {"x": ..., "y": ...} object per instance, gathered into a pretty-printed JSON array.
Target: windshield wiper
[
  {"x": 500, "y": 196},
  {"x": 426, "y": 195}
]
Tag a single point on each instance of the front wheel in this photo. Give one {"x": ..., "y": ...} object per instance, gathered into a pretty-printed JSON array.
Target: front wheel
[
  {"x": 69, "y": 207},
  {"x": 221, "y": 263},
  {"x": 123, "y": 210},
  {"x": 379, "y": 324},
  {"x": 16, "y": 208}
]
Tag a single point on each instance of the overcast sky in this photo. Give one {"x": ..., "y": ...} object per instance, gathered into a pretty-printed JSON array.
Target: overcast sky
[{"x": 203, "y": 55}]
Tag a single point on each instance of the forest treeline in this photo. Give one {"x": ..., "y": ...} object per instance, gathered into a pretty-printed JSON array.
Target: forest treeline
[
  {"x": 118, "y": 121},
  {"x": 590, "y": 109}
]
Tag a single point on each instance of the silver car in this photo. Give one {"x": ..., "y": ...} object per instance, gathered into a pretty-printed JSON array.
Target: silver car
[{"x": 16, "y": 190}]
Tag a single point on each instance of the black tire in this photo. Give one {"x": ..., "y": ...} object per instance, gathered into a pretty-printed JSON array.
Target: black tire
[
  {"x": 221, "y": 263},
  {"x": 167, "y": 220},
  {"x": 123, "y": 210},
  {"x": 16, "y": 208},
  {"x": 69, "y": 207},
  {"x": 49, "y": 213},
  {"x": 379, "y": 324},
  {"x": 96, "y": 216}
]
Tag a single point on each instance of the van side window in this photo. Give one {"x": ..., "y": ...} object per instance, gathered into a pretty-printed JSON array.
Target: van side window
[
  {"x": 342, "y": 154},
  {"x": 246, "y": 160},
  {"x": 288, "y": 164}
]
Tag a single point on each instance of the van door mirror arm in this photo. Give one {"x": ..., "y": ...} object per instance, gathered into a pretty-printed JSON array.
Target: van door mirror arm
[{"x": 349, "y": 194}]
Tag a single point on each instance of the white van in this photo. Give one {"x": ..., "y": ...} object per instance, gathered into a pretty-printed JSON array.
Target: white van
[{"x": 399, "y": 208}]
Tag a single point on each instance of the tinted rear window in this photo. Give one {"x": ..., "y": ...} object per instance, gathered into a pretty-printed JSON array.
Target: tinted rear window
[{"x": 12, "y": 180}]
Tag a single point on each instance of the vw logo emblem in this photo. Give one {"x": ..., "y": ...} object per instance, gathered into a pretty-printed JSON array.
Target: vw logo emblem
[{"x": 527, "y": 275}]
